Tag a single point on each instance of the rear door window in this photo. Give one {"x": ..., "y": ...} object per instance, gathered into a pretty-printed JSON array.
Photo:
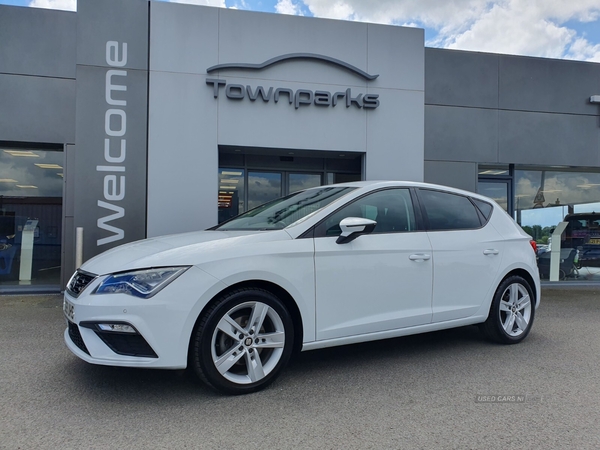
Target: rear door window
[{"x": 447, "y": 211}]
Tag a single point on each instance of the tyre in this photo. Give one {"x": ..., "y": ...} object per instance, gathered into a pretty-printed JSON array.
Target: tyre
[
  {"x": 511, "y": 313},
  {"x": 242, "y": 342}
]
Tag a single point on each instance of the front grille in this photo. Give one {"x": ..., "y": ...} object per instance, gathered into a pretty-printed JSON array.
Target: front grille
[
  {"x": 75, "y": 336},
  {"x": 127, "y": 344},
  {"x": 79, "y": 281}
]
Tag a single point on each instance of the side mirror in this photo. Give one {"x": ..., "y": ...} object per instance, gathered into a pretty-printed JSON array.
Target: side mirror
[{"x": 352, "y": 227}]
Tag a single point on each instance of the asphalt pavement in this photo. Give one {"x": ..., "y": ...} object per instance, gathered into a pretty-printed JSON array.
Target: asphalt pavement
[{"x": 448, "y": 389}]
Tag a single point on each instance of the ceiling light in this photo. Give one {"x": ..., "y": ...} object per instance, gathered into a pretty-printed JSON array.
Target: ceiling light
[
  {"x": 227, "y": 187},
  {"x": 493, "y": 172},
  {"x": 230, "y": 181},
  {"x": 48, "y": 166},
  {"x": 8, "y": 180},
  {"x": 60, "y": 175},
  {"x": 26, "y": 186},
  {"x": 28, "y": 154},
  {"x": 233, "y": 174}
]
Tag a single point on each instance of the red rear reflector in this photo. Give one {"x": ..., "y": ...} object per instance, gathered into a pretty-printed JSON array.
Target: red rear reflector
[{"x": 533, "y": 246}]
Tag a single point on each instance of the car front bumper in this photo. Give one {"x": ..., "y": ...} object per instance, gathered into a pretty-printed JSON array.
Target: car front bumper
[{"x": 158, "y": 329}]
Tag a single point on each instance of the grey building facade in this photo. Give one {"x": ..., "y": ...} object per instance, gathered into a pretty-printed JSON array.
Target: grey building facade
[{"x": 133, "y": 119}]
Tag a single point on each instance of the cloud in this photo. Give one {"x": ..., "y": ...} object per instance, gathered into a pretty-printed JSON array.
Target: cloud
[
  {"x": 522, "y": 27},
  {"x": 67, "y": 5},
  {"x": 288, "y": 7},
  {"x": 582, "y": 50}
]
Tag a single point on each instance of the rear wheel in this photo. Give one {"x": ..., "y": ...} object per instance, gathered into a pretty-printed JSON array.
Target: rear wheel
[
  {"x": 511, "y": 313},
  {"x": 242, "y": 342}
]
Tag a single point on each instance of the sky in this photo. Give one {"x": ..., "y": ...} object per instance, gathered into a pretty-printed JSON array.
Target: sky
[{"x": 564, "y": 29}]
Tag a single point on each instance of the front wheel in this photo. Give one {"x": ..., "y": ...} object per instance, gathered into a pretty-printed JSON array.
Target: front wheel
[
  {"x": 242, "y": 342},
  {"x": 511, "y": 313}
]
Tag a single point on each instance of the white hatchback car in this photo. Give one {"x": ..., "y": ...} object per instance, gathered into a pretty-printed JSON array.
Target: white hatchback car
[{"x": 327, "y": 266}]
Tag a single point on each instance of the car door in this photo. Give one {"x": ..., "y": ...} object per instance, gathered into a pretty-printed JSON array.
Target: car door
[
  {"x": 467, "y": 254},
  {"x": 379, "y": 281}
]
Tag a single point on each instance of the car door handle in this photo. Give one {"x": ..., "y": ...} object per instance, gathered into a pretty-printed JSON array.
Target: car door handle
[
  {"x": 491, "y": 251},
  {"x": 419, "y": 257}
]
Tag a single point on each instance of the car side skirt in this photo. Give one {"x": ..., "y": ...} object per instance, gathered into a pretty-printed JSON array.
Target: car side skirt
[{"x": 389, "y": 334}]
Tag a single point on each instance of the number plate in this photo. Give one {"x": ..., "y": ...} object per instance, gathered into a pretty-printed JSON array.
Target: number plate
[
  {"x": 69, "y": 310},
  {"x": 594, "y": 241}
]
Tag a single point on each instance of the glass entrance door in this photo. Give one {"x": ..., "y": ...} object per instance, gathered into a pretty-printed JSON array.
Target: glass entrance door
[
  {"x": 250, "y": 177},
  {"x": 299, "y": 181},
  {"x": 263, "y": 187}
]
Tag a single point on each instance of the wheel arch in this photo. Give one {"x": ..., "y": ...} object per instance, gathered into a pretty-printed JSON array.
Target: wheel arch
[
  {"x": 274, "y": 289},
  {"x": 527, "y": 276},
  {"x": 494, "y": 328}
]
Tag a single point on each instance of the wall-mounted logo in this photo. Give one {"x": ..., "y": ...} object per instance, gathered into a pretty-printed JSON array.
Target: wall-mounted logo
[{"x": 300, "y": 96}]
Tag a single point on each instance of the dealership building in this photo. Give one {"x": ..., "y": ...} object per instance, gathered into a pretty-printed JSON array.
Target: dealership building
[{"x": 134, "y": 118}]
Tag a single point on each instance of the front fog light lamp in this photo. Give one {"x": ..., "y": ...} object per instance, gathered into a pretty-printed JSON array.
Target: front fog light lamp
[
  {"x": 117, "y": 328},
  {"x": 140, "y": 283}
]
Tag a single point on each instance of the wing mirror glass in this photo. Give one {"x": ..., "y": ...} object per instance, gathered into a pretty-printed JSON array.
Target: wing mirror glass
[{"x": 352, "y": 227}]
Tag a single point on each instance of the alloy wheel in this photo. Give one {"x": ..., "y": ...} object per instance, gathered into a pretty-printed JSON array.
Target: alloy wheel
[
  {"x": 248, "y": 342},
  {"x": 515, "y": 309}
]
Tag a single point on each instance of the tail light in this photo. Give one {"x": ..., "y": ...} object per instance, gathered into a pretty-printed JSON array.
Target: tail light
[{"x": 533, "y": 246}]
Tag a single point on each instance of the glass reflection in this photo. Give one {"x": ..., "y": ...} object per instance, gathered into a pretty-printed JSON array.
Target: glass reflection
[
  {"x": 31, "y": 187},
  {"x": 31, "y": 173},
  {"x": 231, "y": 193},
  {"x": 496, "y": 191},
  {"x": 300, "y": 181},
  {"x": 545, "y": 198},
  {"x": 263, "y": 187}
]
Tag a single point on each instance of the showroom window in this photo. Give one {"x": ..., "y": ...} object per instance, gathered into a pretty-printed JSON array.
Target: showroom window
[
  {"x": 543, "y": 199},
  {"x": 31, "y": 193},
  {"x": 495, "y": 182}
]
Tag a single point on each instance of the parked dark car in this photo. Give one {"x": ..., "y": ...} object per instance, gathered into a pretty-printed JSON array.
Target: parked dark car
[{"x": 583, "y": 233}]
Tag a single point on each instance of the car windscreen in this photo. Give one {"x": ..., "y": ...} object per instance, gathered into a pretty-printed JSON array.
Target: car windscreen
[{"x": 284, "y": 211}]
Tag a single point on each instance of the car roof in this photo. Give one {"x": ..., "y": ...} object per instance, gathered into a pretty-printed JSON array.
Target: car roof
[
  {"x": 401, "y": 183},
  {"x": 590, "y": 215}
]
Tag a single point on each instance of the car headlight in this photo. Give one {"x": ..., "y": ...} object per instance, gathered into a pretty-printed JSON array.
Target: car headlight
[{"x": 140, "y": 283}]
